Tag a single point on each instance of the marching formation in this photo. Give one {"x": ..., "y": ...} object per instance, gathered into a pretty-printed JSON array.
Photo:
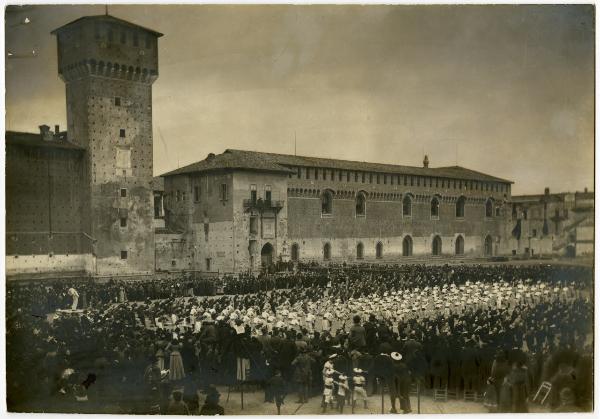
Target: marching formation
[{"x": 338, "y": 333}]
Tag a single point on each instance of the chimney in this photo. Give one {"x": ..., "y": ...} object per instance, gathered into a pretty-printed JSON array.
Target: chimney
[
  {"x": 426, "y": 162},
  {"x": 45, "y": 133},
  {"x": 56, "y": 129},
  {"x": 547, "y": 191}
]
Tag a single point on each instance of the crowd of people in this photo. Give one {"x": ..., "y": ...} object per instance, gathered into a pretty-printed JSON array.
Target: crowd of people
[{"x": 341, "y": 334}]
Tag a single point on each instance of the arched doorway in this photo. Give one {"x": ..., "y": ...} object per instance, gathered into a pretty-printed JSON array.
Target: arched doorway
[
  {"x": 379, "y": 250},
  {"x": 488, "y": 246},
  {"x": 327, "y": 251},
  {"x": 359, "y": 251},
  {"x": 295, "y": 252},
  {"x": 407, "y": 246},
  {"x": 436, "y": 246},
  {"x": 459, "y": 245},
  {"x": 266, "y": 255}
]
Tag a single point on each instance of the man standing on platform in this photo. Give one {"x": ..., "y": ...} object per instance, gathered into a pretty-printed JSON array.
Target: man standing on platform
[{"x": 73, "y": 293}]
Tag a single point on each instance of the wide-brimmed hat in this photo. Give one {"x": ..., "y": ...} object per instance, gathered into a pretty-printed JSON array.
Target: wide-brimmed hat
[{"x": 396, "y": 356}]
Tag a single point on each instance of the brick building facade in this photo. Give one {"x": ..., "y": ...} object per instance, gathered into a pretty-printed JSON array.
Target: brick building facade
[
  {"x": 108, "y": 66},
  {"x": 240, "y": 210}
]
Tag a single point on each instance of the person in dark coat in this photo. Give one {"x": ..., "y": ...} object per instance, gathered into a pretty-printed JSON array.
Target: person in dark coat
[
  {"x": 400, "y": 384},
  {"x": 357, "y": 337},
  {"x": 519, "y": 382},
  {"x": 302, "y": 365},
  {"x": 276, "y": 388}
]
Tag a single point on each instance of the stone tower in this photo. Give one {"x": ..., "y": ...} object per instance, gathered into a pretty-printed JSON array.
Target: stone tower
[{"x": 108, "y": 66}]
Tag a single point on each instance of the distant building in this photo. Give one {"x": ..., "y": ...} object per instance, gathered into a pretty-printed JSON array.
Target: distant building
[
  {"x": 559, "y": 223},
  {"x": 242, "y": 210}
]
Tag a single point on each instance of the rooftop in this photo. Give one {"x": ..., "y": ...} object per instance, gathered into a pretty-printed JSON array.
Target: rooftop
[
  {"x": 109, "y": 19},
  {"x": 255, "y": 160},
  {"x": 28, "y": 139}
]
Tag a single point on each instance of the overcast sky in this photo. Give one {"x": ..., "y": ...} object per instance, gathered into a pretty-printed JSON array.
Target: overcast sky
[{"x": 506, "y": 90}]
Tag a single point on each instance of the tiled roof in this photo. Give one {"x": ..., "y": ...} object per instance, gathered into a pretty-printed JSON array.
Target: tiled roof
[
  {"x": 107, "y": 18},
  {"x": 255, "y": 160},
  {"x": 28, "y": 139}
]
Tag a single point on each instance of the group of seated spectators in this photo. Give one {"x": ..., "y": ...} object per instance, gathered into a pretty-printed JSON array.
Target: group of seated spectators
[{"x": 144, "y": 347}]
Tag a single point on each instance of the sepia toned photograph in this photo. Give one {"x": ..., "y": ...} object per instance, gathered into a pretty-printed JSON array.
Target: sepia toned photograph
[{"x": 299, "y": 209}]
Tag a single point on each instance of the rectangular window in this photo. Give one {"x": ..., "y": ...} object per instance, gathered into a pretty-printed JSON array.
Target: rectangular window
[
  {"x": 430, "y": 182},
  {"x": 324, "y": 174},
  {"x": 436, "y": 182},
  {"x": 347, "y": 176},
  {"x": 208, "y": 264},
  {"x": 307, "y": 173},
  {"x": 123, "y": 254},
  {"x": 136, "y": 41},
  {"x": 316, "y": 174},
  {"x": 223, "y": 192},
  {"x": 405, "y": 181},
  {"x": 299, "y": 173},
  {"x": 391, "y": 179},
  {"x": 418, "y": 181},
  {"x": 411, "y": 181},
  {"x": 253, "y": 225},
  {"x": 196, "y": 193},
  {"x": 332, "y": 174},
  {"x": 356, "y": 177},
  {"x": 370, "y": 177},
  {"x": 476, "y": 186},
  {"x": 363, "y": 177},
  {"x": 122, "y": 133},
  {"x": 148, "y": 41},
  {"x": 385, "y": 179},
  {"x": 123, "y": 222},
  {"x": 117, "y": 101},
  {"x": 123, "y": 37},
  {"x": 340, "y": 174},
  {"x": 377, "y": 178},
  {"x": 253, "y": 193},
  {"x": 268, "y": 193},
  {"x": 123, "y": 193}
]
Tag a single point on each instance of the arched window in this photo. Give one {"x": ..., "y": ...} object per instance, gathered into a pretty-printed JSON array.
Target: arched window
[
  {"x": 361, "y": 204},
  {"x": 407, "y": 246},
  {"x": 489, "y": 208},
  {"x": 326, "y": 203},
  {"x": 327, "y": 251},
  {"x": 379, "y": 250},
  {"x": 459, "y": 245},
  {"x": 407, "y": 206},
  {"x": 359, "y": 251},
  {"x": 435, "y": 208},
  {"x": 488, "y": 249},
  {"x": 460, "y": 207},
  {"x": 295, "y": 252},
  {"x": 436, "y": 246}
]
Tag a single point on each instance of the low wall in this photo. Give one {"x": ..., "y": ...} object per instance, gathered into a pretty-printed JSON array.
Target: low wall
[{"x": 37, "y": 264}]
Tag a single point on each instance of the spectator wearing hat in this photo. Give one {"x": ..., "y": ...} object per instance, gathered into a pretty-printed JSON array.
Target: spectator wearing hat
[
  {"x": 211, "y": 405},
  {"x": 400, "y": 384},
  {"x": 359, "y": 387},
  {"x": 342, "y": 391},
  {"x": 177, "y": 406},
  {"x": 328, "y": 390},
  {"x": 357, "y": 336}
]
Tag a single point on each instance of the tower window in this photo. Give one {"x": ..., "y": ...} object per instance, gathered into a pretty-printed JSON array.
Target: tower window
[
  {"x": 136, "y": 41},
  {"x": 123, "y": 254},
  {"x": 122, "y": 133},
  {"x": 123, "y": 37},
  {"x": 117, "y": 101},
  {"x": 196, "y": 193},
  {"x": 123, "y": 221},
  {"x": 123, "y": 193}
]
